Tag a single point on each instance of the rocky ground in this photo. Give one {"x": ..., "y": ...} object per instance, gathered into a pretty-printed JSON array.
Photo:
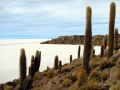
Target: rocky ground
[
  {"x": 76, "y": 39},
  {"x": 104, "y": 75}
]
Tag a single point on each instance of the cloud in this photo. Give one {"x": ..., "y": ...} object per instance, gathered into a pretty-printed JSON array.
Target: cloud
[{"x": 35, "y": 17}]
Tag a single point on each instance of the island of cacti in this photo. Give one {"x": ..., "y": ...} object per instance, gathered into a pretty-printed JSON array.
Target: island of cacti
[{"x": 91, "y": 72}]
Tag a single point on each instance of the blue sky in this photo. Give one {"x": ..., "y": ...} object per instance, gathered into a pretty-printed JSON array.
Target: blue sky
[{"x": 43, "y": 19}]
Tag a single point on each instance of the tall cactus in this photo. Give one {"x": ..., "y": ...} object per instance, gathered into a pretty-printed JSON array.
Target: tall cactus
[
  {"x": 70, "y": 58},
  {"x": 22, "y": 67},
  {"x": 56, "y": 63},
  {"x": 111, "y": 29},
  {"x": 116, "y": 39},
  {"x": 79, "y": 52},
  {"x": 87, "y": 40}
]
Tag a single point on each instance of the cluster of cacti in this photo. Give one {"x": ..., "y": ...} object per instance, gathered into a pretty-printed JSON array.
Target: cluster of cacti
[
  {"x": 92, "y": 54},
  {"x": 22, "y": 67},
  {"x": 79, "y": 52},
  {"x": 56, "y": 63},
  {"x": 102, "y": 51},
  {"x": 111, "y": 29},
  {"x": 116, "y": 39},
  {"x": 35, "y": 64},
  {"x": 87, "y": 40},
  {"x": 70, "y": 58}
]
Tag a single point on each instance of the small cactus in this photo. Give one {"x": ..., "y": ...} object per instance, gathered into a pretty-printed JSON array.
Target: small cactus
[
  {"x": 105, "y": 42},
  {"x": 92, "y": 53},
  {"x": 56, "y": 63},
  {"x": 37, "y": 60},
  {"x": 116, "y": 39},
  {"x": 70, "y": 58},
  {"x": 32, "y": 68},
  {"x": 111, "y": 29},
  {"x": 60, "y": 64},
  {"x": 102, "y": 51},
  {"x": 87, "y": 40},
  {"x": 79, "y": 52},
  {"x": 22, "y": 67}
]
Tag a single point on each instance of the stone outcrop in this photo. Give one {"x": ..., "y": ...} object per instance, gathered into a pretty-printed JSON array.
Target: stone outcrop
[{"x": 76, "y": 39}]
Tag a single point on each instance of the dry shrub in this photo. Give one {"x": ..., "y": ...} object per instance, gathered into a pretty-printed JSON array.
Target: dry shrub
[
  {"x": 118, "y": 63},
  {"x": 67, "y": 82},
  {"x": 90, "y": 85},
  {"x": 118, "y": 74},
  {"x": 93, "y": 64},
  {"x": 97, "y": 75},
  {"x": 94, "y": 75},
  {"x": 81, "y": 76},
  {"x": 67, "y": 68},
  {"x": 71, "y": 77},
  {"x": 51, "y": 73},
  {"x": 106, "y": 64},
  {"x": 104, "y": 75},
  {"x": 116, "y": 87}
]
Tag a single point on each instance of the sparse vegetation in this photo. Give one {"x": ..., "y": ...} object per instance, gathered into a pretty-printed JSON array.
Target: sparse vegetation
[
  {"x": 67, "y": 82},
  {"x": 106, "y": 64}
]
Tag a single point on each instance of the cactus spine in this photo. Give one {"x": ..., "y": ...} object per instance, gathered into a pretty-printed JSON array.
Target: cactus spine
[
  {"x": 56, "y": 63},
  {"x": 87, "y": 40},
  {"x": 22, "y": 67},
  {"x": 70, "y": 58},
  {"x": 116, "y": 39},
  {"x": 111, "y": 29},
  {"x": 79, "y": 52}
]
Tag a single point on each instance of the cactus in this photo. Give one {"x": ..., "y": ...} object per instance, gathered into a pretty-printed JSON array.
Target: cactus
[
  {"x": 32, "y": 67},
  {"x": 87, "y": 40},
  {"x": 22, "y": 67},
  {"x": 37, "y": 60},
  {"x": 56, "y": 63},
  {"x": 105, "y": 42},
  {"x": 92, "y": 54},
  {"x": 102, "y": 51},
  {"x": 111, "y": 29},
  {"x": 116, "y": 39},
  {"x": 79, "y": 52},
  {"x": 70, "y": 58},
  {"x": 60, "y": 64},
  {"x": 29, "y": 71}
]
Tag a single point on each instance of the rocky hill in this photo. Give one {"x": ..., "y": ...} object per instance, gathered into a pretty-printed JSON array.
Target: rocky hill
[
  {"x": 76, "y": 39},
  {"x": 104, "y": 75}
]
